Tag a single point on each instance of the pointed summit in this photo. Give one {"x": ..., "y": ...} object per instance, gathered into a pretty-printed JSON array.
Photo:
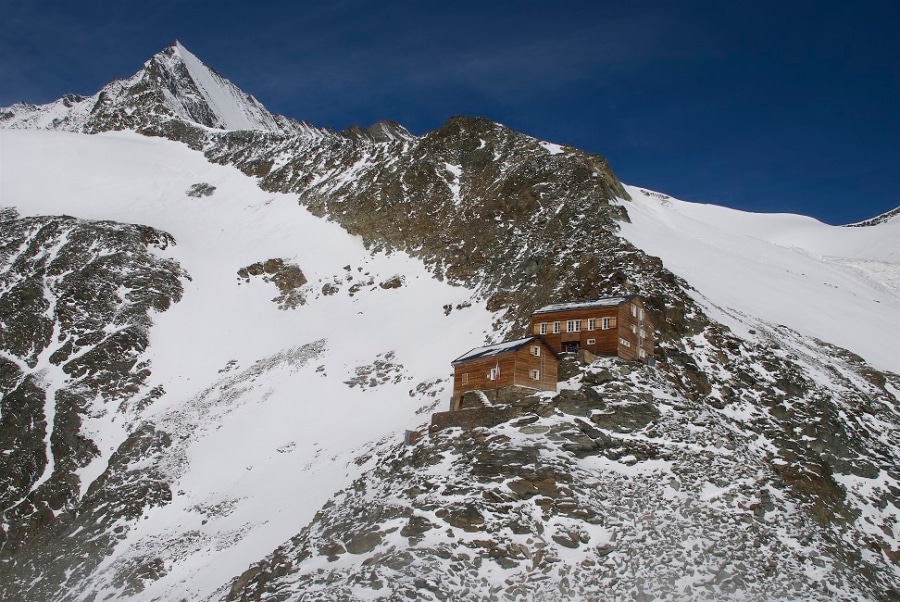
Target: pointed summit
[
  {"x": 199, "y": 94},
  {"x": 174, "y": 85}
]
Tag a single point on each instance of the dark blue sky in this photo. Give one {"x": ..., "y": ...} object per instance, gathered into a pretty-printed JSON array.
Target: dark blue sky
[{"x": 765, "y": 106}]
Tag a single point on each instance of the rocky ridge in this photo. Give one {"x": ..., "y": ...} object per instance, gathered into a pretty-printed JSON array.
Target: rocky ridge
[{"x": 76, "y": 297}]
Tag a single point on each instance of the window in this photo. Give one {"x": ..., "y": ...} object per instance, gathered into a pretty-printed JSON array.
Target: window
[
  {"x": 535, "y": 375},
  {"x": 573, "y": 326},
  {"x": 640, "y": 313},
  {"x": 536, "y": 350},
  {"x": 604, "y": 323},
  {"x": 494, "y": 374},
  {"x": 465, "y": 379},
  {"x": 624, "y": 342},
  {"x": 634, "y": 311},
  {"x": 634, "y": 328},
  {"x": 592, "y": 341},
  {"x": 592, "y": 323},
  {"x": 556, "y": 328},
  {"x": 643, "y": 333},
  {"x": 642, "y": 354},
  {"x": 543, "y": 328}
]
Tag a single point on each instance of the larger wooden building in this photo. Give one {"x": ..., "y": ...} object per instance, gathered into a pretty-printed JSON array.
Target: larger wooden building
[
  {"x": 608, "y": 326},
  {"x": 523, "y": 364}
]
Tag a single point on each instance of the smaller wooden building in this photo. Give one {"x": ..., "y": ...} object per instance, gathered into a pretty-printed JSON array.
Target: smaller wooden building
[
  {"x": 523, "y": 364},
  {"x": 607, "y": 326}
]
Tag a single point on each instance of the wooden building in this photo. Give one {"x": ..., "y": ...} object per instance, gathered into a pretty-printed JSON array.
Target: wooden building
[
  {"x": 524, "y": 364},
  {"x": 608, "y": 326}
]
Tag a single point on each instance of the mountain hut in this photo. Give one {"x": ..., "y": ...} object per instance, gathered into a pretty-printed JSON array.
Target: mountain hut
[
  {"x": 514, "y": 367},
  {"x": 607, "y": 326}
]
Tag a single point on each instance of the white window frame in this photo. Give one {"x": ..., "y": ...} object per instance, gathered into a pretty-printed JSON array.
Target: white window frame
[
  {"x": 465, "y": 378},
  {"x": 556, "y": 328},
  {"x": 634, "y": 311},
  {"x": 573, "y": 325},
  {"x": 624, "y": 342},
  {"x": 592, "y": 323},
  {"x": 605, "y": 323},
  {"x": 535, "y": 374},
  {"x": 536, "y": 350},
  {"x": 543, "y": 328},
  {"x": 492, "y": 375},
  {"x": 591, "y": 342}
]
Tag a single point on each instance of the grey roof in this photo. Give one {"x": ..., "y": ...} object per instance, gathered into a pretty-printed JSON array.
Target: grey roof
[
  {"x": 603, "y": 302},
  {"x": 498, "y": 349}
]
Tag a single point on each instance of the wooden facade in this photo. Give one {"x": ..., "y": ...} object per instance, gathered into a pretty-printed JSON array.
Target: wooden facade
[
  {"x": 610, "y": 326},
  {"x": 529, "y": 363}
]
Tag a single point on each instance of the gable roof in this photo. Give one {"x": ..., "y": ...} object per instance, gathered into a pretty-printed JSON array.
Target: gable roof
[
  {"x": 590, "y": 304},
  {"x": 501, "y": 349}
]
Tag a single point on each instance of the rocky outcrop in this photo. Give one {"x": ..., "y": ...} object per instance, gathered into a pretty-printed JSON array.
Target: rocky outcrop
[
  {"x": 287, "y": 277},
  {"x": 76, "y": 303}
]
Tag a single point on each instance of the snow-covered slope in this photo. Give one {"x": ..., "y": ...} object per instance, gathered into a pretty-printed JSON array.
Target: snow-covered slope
[
  {"x": 838, "y": 284},
  {"x": 274, "y": 404}
]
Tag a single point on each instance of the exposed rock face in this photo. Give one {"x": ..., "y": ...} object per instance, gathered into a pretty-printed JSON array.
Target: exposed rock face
[
  {"x": 76, "y": 297},
  {"x": 201, "y": 189},
  {"x": 287, "y": 277}
]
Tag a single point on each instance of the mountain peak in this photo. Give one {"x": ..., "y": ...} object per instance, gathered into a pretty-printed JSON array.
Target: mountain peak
[
  {"x": 173, "y": 85},
  {"x": 199, "y": 94},
  {"x": 385, "y": 130}
]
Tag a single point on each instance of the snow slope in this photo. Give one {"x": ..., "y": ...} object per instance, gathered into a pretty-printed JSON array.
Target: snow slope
[
  {"x": 838, "y": 284},
  {"x": 271, "y": 406}
]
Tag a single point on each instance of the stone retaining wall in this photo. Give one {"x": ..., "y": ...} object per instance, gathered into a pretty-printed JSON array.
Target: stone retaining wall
[{"x": 472, "y": 417}]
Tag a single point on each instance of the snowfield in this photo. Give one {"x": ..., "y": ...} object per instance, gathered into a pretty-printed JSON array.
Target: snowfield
[
  {"x": 260, "y": 394},
  {"x": 838, "y": 284}
]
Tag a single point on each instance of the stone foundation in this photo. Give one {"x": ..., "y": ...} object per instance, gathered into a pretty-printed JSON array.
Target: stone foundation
[
  {"x": 472, "y": 417},
  {"x": 502, "y": 396}
]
